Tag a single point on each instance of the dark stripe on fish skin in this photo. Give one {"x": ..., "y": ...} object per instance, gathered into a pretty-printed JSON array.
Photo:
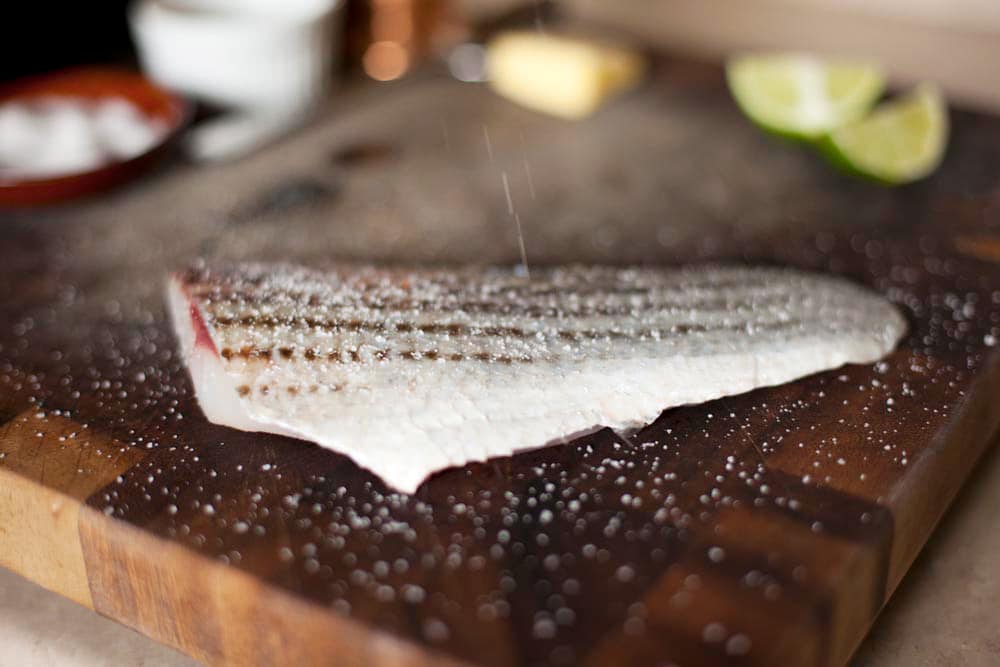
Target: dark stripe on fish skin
[
  {"x": 531, "y": 289},
  {"x": 396, "y": 286},
  {"x": 225, "y": 285},
  {"x": 353, "y": 356},
  {"x": 458, "y": 330},
  {"x": 515, "y": 309},
  {"x": 382, "y": 354},
  {"x": 355, "y": 325},
  {"x": 292, "y": 390},
  {"x": 435, "y": 355},
  {"x": 245, "y": 352}
]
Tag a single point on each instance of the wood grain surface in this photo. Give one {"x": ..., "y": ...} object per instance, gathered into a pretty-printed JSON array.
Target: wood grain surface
[
  {"x": 43, "y": 488},
  {"x": 759, "y": 529}
]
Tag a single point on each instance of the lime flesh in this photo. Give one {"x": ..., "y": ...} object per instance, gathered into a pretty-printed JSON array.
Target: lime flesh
[{"x": 802, "y": 97}]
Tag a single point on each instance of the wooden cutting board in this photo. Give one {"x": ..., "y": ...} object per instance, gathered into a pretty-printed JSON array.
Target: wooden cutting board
[{"x": 767, "y": 528}]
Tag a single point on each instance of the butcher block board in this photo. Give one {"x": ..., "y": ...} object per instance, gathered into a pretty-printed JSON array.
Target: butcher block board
[{"x": 766, "y": 528}]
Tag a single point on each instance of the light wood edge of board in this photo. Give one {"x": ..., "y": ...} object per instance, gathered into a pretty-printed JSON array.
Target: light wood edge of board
[
  {"x": 920, "y": 503},
  {"x": 220, "y": 615},
  {"x": 39, "y": 536},
  {"x": 213, "y": 612}
]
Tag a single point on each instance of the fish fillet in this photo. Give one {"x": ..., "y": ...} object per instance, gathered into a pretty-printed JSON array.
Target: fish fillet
[{"x": 412, "y": 371}]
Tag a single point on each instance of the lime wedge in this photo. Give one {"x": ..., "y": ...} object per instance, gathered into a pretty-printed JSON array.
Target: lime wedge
[
  {"x": 899, "y": 142},
  {"x": 801, "y": 97}
]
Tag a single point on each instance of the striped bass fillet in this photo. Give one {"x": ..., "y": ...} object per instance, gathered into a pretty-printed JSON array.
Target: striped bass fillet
[{"x": 409, "y": 372}]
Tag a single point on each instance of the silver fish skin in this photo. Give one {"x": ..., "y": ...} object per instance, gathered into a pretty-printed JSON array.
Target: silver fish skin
[{"x": 411, "y": 371}]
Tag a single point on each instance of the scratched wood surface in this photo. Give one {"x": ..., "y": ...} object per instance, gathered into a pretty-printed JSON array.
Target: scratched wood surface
[{"x": 756, "y": 529}]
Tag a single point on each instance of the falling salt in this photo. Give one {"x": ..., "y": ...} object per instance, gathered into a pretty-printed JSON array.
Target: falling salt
[
  {"x": 489, "y": 144},
  {"x": 521, "y": 270}
]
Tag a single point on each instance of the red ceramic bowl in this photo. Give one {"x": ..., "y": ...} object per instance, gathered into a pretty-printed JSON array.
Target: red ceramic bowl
[{"x": 94, "y": 83}]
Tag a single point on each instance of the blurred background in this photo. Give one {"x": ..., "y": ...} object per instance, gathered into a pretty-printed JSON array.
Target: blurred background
[
  {"x": 247, "y": 72},
  {"x": 956, "y": 42},
  {"x": 953, "y": 42},
  {"x": 413, "y": 119}
]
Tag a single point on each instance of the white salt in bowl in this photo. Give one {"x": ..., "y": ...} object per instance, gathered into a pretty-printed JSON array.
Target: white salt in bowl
[{"x": 72, "y": 133}]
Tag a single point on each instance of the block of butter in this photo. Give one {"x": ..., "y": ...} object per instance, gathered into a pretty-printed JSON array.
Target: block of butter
[{"x": 562, "y": 76}]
